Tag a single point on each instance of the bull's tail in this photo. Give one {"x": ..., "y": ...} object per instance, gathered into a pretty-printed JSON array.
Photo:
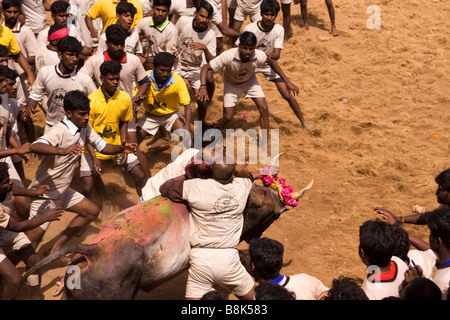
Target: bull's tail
[{"x": 87, "y": 250}]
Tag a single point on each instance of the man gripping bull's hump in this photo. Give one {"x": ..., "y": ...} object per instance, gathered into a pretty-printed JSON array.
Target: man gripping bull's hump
[{"x": 216, "y": 221}]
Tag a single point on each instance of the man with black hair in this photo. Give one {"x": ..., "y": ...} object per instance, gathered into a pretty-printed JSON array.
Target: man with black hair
[
  {"x": 132, "y": 74},
  {"x": 106, "y": 10},
  {"x": 442, "y": 197},
  {"x": 345, "y": 288},
  {"x": 266, "y": 258},
  {"x": 439, "y": 224},
  {"x": 14, "y": 109},
  {"x": 273, "y": 291},
  {"x": 61, "y": 147},
  {"x": 196, "y": 44},
  {"x": 55, "y": 81},
  {"x": 9, "y": 148},
  {"x": 216, "y": 220},
  {"x": 166, "y": 95},
  {"x": 125, "y": 13},
  {"x": 385, "y": 272},
  {"x": 14, "y": 244},
  {"x": 8, "y": 40},
  {"x": 111, "y": 111},
  {"x": 160, "y": 33},
  {"x": 270, "y": 39},
  {"x": 26, "y": 40},
  {"x": 61, "y": 16},
  {"x": 238, "y": 66}
]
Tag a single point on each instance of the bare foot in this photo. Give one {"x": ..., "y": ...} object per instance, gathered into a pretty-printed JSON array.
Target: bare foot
[
  {"x": 306, "y": 26},
  {"x": 308, "y": 127},
  {"x": 334, "y": 31}
]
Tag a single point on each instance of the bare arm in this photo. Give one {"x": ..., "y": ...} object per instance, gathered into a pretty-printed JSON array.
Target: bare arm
[
  {"x": 90, "y": 26},
  {"x": 276, "y": 67},
  {"x": 20, "y": 59},
  {"x": 202, "y": 92},
  {"x": 20, "y": 226},
  {"x": 43, "y": 148}
]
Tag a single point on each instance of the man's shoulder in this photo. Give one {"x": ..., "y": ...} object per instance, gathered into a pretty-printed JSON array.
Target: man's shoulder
[
  {"x": 122, "y": 96},
  {"x": 178, "y": 79}
]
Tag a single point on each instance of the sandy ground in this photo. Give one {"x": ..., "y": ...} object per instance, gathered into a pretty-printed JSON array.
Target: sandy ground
[{"x": 378, "y": 100}]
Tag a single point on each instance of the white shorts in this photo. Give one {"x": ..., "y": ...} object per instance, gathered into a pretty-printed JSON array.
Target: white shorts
[
  {"x": 192, "y": 77},
  {"x": 232, "y": 92},
  {"x": 268, "y": 73},
  {"x": 242, "y": 13},
  {"x": 11, "y": 241},
  {"x": 87, "y": 168},
  {"x": 151, "y": 123},
  {"x": 41, "y": 205},
  {"x": 286, "y": 1},
  {"x": 221, "y": 267}
]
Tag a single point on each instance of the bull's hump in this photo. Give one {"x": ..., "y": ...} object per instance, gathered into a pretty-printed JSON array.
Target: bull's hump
[{"x": 143, "y": 220}]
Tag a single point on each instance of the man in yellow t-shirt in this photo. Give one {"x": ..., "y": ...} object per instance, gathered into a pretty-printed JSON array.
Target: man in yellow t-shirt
[
  {"x": 106, "y": 10},
  {"x": 111, "y": 110},
  {"x": 167, "y": 93},
  {"x": 7, "y": 39}
]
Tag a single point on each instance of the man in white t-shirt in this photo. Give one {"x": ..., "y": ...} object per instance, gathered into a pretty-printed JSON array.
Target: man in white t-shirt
[
  {"x": 159, "y": 32},
  {"x": 266, "y": 258},
  {"x": 48, "y": 55},
  {"x": 132, "y": 73},
  {"x": 35, "y": 15},
  {"x": 14, "y": 244},
  {"x": 61, "y": 16},
  {"x": 438, "y": 223},
  {"x": 216, "y": 222},
  {"x": 244, "y": 9},
  {"x": 218, "y": 20},
  {"x": 61, "y": 147},
  {"x": 385, "y": 272},
  {"x": 196, "y": 46},
  {"x": 270, "y": 38},
  {"x": 55, "y": 81},
  {"x": 26, "y": 40},
  {"x": 238, "y": 66}
]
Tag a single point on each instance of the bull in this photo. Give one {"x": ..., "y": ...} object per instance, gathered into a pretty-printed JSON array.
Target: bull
[{"x": 147, "y": 245}]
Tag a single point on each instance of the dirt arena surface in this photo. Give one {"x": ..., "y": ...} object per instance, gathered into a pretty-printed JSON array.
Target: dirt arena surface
[{"x": 378, "y": 100}]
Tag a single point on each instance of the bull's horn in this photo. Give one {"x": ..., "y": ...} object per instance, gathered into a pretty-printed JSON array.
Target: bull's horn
[
  {"x": 297, "y": 195},
  {"x": 275, "y": 159},
  {"x": 274, "y": 165}
]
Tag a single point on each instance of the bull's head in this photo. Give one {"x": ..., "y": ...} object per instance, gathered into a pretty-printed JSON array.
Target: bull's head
[{"x": 264, "y": 206}]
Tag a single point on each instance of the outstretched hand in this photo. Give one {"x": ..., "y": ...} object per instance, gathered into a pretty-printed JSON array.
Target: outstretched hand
[
  {"x": 292, "y": 88},
  {"x": 74, "y": 150},
  {"x": 386, "y": 215},
  {"x": 53, "y": 214},
  {"x": 202, "y": 94}
]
